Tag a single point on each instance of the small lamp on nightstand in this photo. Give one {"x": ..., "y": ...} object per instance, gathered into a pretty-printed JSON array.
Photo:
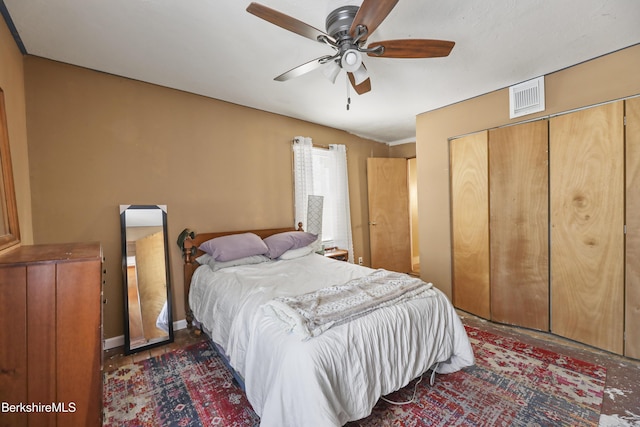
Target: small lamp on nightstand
[{"x": 314, "y": 218}]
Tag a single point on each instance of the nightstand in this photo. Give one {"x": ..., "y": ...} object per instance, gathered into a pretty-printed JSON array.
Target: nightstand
[{"x": 336, "y": 253}]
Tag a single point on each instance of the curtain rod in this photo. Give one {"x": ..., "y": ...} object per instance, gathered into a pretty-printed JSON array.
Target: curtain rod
[{"x": 324, "y": 147}]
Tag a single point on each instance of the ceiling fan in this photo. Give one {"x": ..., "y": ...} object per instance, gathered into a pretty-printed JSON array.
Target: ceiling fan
[{"x": 348, "y": 28}]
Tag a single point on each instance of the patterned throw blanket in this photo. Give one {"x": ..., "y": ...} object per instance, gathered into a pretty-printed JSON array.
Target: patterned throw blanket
[{"x": 313, "y": 313}]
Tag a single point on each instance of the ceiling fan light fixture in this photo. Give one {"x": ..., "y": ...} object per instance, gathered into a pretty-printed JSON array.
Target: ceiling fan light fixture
[
  {"x": 331, "y": 71},
  {"x": 360, "y": 75},
  {"x": 351, "y": 60}
]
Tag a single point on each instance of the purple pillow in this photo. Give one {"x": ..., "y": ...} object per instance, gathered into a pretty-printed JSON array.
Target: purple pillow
[
  {"x": 234, "y": 246},
  {"x": 282, "y": 242}
]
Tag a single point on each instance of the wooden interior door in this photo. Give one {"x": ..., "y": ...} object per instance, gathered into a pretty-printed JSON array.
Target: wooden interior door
[
  {"x": 412, "y": 170},
  {"x": 519, "y": 224},
  {"x": 470, "y": 223},
  {"x": 389, "y": 232},
  {"x": 587, "y": 226},
  {"x": 632, "y": 285}
]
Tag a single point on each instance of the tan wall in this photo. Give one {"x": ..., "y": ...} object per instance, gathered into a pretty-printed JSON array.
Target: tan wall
[
  {"x": 603, "y": 79},
  {"x": 97, "y": 141},
  {"x": 12, "y": 83},
  {"x": 407, "y": 150}
]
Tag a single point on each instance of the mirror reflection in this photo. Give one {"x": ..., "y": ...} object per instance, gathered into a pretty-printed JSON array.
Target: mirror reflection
[
  {"x": 9, "y": 229},
  {"x": 147, "y": 300}
]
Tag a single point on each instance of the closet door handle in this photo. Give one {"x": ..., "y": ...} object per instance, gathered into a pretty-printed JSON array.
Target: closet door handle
[{"x": 373, "y": 223}]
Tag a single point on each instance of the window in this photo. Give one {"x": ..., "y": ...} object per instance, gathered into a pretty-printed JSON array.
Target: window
[
  {"x": 324, "y": 184},
  {"x": 323, "y": 172}
]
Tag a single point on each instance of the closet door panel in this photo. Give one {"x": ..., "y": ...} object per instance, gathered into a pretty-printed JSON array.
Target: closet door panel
[
  {"x": 632, "y": 301},
  {"x": 470, "y": 223},
  {"x": 519, "y": 225},
  {"x": 587, "y": 218}
]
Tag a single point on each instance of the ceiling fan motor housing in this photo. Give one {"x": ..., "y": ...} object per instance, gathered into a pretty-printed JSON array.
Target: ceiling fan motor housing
[
  {"x": 339, "y": 22},
  {"x": 338, "y": 26}
]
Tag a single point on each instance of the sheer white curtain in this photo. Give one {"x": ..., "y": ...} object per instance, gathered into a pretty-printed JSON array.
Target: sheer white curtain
[
  {"x": 328, "y": 178},
  {"x": 342, "y": 210},
  {"x": 302, "y": 176}
]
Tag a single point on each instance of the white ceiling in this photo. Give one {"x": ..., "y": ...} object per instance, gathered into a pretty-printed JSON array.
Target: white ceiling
[{"x": 217, "y": 49}]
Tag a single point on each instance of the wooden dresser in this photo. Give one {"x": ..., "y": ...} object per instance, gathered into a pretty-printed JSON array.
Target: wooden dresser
[{"x": 51, "y": 335}]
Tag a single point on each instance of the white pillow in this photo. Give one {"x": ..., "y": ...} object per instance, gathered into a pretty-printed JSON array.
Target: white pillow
[
  {"x": 297, "y": 253},
  {"x": 207, "y": 259}
]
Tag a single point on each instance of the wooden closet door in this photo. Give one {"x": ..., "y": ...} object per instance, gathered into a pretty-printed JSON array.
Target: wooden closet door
[
  {"x": 587, "y": 226},
  {"x": 519, "y": 224},
  {"x": 470, "y": 224},
  {"x": 632, "y": 296}
]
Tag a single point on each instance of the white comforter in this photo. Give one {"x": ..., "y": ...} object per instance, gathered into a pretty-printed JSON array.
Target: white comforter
[{"x": 339, "y": 375}]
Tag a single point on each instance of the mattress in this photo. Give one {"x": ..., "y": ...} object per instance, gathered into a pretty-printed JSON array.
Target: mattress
[{"x": 339, "y": 375}]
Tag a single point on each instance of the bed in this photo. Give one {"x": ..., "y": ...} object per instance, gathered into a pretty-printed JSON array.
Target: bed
[{"x": 316, "y": 376}]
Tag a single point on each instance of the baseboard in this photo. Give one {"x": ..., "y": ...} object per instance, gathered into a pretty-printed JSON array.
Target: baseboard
[
  {"x": 180, "y": 324},
  {"x": 114, "y": 342},
  {"x": 118, "y": 341}
]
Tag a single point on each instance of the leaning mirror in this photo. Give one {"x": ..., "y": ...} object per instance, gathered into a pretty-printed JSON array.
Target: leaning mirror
[
  {"x": 145, "y": 269},
  {"x": 9, "y": 230}
]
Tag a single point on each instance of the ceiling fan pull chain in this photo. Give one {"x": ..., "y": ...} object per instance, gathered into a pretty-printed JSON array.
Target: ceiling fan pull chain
[{"x": 348, "y": 94}]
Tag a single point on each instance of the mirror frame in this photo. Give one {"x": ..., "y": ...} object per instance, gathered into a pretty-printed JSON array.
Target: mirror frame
[
  {"x": 7, "y": 189},
  {"x": 127, "y": 333}
]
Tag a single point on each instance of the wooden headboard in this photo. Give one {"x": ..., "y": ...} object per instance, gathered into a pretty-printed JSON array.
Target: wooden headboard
[{"x": 189, "y": 242}]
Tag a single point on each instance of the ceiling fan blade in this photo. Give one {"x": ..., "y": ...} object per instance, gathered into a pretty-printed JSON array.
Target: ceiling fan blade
[
  {"x": 286, "y": 22},
  {"x": 412, "y": 48},
  {"x": 363, "y": 87},
  {"x": 371, "y": 14},
  {"x": 303, "y": 69}
]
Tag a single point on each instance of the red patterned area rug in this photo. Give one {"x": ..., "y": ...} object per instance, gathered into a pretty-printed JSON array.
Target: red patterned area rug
[
  {"x": 187, "y": 387},
  {"x": 512, "y": 384}
]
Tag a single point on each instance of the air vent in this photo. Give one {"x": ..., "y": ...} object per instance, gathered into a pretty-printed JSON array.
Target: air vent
[{"x": 526, "y": 98}]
